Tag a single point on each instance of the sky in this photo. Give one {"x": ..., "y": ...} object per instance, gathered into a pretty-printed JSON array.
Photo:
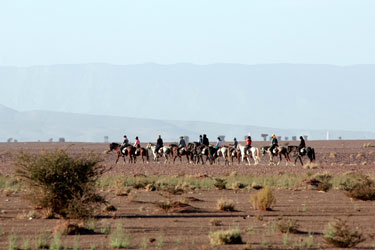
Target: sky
[{"x": 44, "y": 32}]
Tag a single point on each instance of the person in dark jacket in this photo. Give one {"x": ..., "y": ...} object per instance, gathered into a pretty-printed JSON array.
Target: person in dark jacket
[
  {"x": 159, "y": 144},
  {"x": 200, "y": 139},
  {"x": 235, "y": 143},
  {"x": 181, "y": 143},
  {"x": 205, "y": 140},
  {"x": 274, "y": 142},
  {"x": 301, "y": 145}
]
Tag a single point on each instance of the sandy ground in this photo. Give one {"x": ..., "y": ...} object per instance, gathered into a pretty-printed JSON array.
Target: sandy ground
[{"x": 143, "y": 220}]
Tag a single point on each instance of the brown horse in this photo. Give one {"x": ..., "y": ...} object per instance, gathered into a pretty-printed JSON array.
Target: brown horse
[
  {"x": 126, "y": 151},
  {"x": 143, "y": 153},
  {"x": 178, "y": 153},
  {"x": 278, "y": 151}
]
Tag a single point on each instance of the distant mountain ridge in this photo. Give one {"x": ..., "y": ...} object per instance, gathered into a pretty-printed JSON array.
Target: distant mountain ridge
[
  {"x": 43, "y": 125},
  {"x": 274, "y": 95}
]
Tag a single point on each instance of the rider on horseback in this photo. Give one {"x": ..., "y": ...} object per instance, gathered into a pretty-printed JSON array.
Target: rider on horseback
[
  {"x": 200, "y": 139},
  {"x": 235, "y": 143},
  {"x": 205, "y": 140},
  {"x": 248, "y": 143},
  {"x": 159, "y": 144},
  {"x": 275, "y": 143},
  {"x": 125, "y": 143},
  {"x": 219, "y": 143},
  {"x": 301, "y": 145},
  {"x": 181, "y": 144}
]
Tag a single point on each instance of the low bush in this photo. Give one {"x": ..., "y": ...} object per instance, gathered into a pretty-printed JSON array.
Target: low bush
[
  {"x": 340, "y": 234},
  {"x": 226, "y": 237},
  {"x": 220, "y": 183},
  {"x": 225, "y": 205},
  {"x": 62, "y": 184},
  {"x": 263, "y": 199},
  {"x": 287, "y": 225},
  {"x": 322, "y": 182},
  {"x": 358, "y": 186}
]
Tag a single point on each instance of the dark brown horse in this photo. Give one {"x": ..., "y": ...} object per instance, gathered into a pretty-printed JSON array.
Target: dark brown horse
[
  {"x": 143, "y": 153},
  {"x": 123, "y": 151}
]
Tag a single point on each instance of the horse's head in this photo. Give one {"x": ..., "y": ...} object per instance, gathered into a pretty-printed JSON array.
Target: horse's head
[{"x": 149, "y": 145}]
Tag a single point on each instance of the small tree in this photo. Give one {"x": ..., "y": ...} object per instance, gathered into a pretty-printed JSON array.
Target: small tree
[{"x": 61, "y": 184}]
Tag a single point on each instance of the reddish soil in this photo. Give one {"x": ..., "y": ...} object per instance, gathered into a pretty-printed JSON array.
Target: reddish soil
[{"x": 143, "y": 220}]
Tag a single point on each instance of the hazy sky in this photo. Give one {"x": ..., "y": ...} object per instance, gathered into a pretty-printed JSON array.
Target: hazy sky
[{"x": 197, "y": 31}]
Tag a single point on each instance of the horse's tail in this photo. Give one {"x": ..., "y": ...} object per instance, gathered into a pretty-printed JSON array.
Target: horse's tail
[{"x": 258, "y": 154}]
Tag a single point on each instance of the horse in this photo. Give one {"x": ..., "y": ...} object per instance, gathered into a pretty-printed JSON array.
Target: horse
[
  {"x": 223, "y": 152},
  {"x": 176, "y": 152},
  {"x": 234, "y": 153},
  {"x": 122, "y": 152},
  {"x": 143, "y": 153},
  {"x": 278, "y": 151},
  {"x": 253, "y": 151},
  {"x": 196, "y": 152},
  {"x": 309, "y": 151},
  {"x": 163, "y": 151}
]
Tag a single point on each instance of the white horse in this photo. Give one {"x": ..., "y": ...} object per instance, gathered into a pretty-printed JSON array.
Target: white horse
[
  {"x": 254, "y": 152},
  {"x": 223, "y": 152},
  {"x": 163, "y": 151}
]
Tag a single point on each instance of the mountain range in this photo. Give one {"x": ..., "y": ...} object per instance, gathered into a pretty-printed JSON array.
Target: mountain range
[
  {"x": 88, "y": 101},
  {"x": 46, "y": 125}
]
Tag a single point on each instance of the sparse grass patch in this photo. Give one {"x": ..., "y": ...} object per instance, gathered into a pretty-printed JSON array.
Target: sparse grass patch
[
  {"x": 118, "y": 238},
  {"x": 225, "y": 205},
  {"x": 225, "y": 237},
  {"x": 263, "y": 199},
  {"x": 13, "y": 241},
  {"x": 42, "y": 241},
  {"x": 340, "y": 234}
]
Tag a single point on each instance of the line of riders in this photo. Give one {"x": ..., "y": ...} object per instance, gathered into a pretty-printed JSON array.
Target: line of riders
[{"x": 196, "y": 151}]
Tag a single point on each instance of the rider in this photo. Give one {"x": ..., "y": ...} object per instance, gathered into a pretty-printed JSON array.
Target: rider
[
  {"x": 219, "y": 143},
  {"x": 182, "y": 143},
  {"x": 200, "y": 139},
  {"x": 235, "y": 143},
  {"x": 248, "y": 143},
  {"x": 126, "y": 141},
  {"x": 137, "y": 143},
  {"x": 302, "y": 144},
  {"x": 205, "y": 140},
  {"x": 275, "y": 143},
  {"x": 159, "y": 144}
]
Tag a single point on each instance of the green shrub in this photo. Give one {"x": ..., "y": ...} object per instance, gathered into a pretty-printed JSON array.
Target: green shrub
[
  {"x": 322, "y": 182},
  {"x": 358, "y": 186},
  {"x": 226, "y": 237},
  {"x": 263, "y": 199},
  {"x": 62, "y": 184},
  {"x": 339, "y": 234},
  {"x": 220, "y": 183}
]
